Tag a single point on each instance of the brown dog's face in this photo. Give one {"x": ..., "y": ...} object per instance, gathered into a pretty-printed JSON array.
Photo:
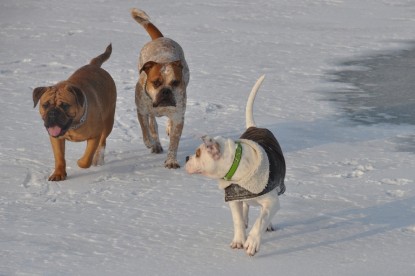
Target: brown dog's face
[
  {"x": 164, "y": 85},
  {"x": 59, "y": 107}
]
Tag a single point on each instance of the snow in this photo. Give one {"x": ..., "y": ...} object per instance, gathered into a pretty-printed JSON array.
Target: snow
[{"x": 338, "y": 94}]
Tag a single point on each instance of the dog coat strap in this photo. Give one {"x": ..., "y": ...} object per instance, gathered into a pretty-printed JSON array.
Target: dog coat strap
[{"x": 235, "y": 164}]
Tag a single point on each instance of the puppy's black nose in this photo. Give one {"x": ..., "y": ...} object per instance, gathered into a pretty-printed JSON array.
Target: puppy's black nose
[{"x": 187, "y": 158}]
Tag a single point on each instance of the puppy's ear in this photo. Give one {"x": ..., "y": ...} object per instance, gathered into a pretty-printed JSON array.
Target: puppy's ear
[
  {"x": 147, "y": 66},
  {"x": 78, "y": 94},
  {"x": 213, "y": 147},
  {"x": 37, "y": 94}
]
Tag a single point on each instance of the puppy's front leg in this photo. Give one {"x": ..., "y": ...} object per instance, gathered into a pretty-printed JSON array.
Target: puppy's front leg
[
  {"x": 238, "y": 225},
  {"x": 175, "y": 134},
  {"x": 58, "y": 147}
]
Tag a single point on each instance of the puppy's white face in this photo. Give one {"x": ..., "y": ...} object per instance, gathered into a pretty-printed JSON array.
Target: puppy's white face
[{"x": 213, "y": 158}]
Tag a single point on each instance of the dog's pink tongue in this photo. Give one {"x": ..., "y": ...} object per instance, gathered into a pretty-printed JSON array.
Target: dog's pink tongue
[{"x": 54, "y": 131}]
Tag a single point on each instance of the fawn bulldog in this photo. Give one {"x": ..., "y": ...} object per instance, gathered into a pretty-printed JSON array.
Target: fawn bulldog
[
  {"x": 161, "y": 89},
  {"x": 251, "y": 170},
  {"x": 78, "y": 109}
]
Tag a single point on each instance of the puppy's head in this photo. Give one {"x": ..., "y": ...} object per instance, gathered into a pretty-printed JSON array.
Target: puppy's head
[
  {"x": 164, "y": 83},
  {"x": 212, "y": 159},
  {"x": 59, "y": 107}
]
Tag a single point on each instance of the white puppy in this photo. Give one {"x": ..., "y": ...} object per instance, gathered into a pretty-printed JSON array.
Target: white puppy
[{"x": 251, "y": 170}]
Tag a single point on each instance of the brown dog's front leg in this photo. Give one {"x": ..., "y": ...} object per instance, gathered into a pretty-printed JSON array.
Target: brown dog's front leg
[
  {"x": 58, "y": 147},
  {"x": 176, "y": 133},
  {"x": 91, "y": 147}
]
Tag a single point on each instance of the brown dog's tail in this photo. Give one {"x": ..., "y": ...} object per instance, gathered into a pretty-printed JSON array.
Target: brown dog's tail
[
  {"x": 144, "y": 20},
  {"x": 99, "y": 60}
]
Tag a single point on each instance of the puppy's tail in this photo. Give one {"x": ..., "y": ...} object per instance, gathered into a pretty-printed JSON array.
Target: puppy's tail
[
  {"x": 250, "y": 104},
  {"x": 144, "y": 20},
  {"x": 99, "y": 60}
]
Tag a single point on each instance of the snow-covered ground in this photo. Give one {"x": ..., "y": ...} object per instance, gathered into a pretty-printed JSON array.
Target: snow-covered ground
[{"x": 338, "y": 94}]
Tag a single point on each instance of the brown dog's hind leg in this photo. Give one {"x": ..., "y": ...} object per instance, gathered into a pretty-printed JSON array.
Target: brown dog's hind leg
[
  {"x": 156, "y": 146},
  {"x": 100, "y": 152},
  {"x": 86, "y": 160}
]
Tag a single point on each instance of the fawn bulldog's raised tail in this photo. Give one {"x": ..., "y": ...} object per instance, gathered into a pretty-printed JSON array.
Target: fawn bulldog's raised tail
[{"x": 144, "y": 20}]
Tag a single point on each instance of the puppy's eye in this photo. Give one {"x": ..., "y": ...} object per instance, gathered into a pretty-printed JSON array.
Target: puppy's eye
[
  {"x": 46, "y": 105},
  {"x": 65, "y": 106},
  {"x": 157, "y": 83},
  {"x": 198, "y": 153},
  {"x": 175, "y": 83}
]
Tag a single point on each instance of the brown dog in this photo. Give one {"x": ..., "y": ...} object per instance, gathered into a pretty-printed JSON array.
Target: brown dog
[
  {"x": 161, "y": 89},
  {"x": 78, "y": 109}
]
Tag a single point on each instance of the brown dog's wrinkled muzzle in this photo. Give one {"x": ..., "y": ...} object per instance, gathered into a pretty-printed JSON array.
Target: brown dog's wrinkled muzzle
[
  {"x": 164, "y": 98},
  {"x": 56, "y": 122}
]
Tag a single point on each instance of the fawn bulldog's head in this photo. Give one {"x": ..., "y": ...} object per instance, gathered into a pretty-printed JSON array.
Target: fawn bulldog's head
[{"x": 60, "y": 107}]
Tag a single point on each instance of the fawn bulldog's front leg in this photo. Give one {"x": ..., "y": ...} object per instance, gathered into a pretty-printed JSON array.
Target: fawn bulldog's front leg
[{"x": 58, "y": 147}]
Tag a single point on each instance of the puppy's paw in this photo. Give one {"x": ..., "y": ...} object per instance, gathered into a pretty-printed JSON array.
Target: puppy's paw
[
  {"x": 171, "y": 164},
  {"x": 252, "y": 245},
  {"x": 271, "y": 228},
  {"x": 156, "y": 148},
  {"x": 237, "y": 244}
]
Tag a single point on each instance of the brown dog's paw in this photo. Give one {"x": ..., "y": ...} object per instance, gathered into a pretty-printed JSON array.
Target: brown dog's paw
[
  {"x": 156, "y": 148},
  {"x": 171, "y": 164},
  {"x": 57, "y": 176},
  {"x": 84, "y": 163}
]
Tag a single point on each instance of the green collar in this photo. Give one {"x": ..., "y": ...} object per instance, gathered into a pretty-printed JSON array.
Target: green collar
[{"x": 235, "y": 164}]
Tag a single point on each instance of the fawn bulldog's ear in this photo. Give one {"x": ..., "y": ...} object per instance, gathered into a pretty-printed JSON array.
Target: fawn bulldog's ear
[
  {"x": 37, "y": 94},
  {"x": 212, "y": 147}
]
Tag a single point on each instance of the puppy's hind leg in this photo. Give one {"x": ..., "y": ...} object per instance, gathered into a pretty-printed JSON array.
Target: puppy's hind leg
[{"x": 245, "y": 211}]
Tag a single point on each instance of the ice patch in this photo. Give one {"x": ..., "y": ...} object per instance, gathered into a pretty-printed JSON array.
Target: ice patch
[
  {"x": 396, "y": 181},
  {"x": 359, "y": 171},
  {"x": 395, "y": 193},
  {"x": 409, "y": 229}
]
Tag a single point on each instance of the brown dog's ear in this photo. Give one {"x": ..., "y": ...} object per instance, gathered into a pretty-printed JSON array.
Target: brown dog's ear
[
  {"x": 37, "y": 93},
  {"x": 80, "y": 98},
  {"x": 147, "y": 66},
  {"x": 213, "y": 147},
  {"x": 178, "y": 63}
]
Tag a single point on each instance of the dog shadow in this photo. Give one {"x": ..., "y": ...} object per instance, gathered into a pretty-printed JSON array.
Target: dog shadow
[{"x": 363, "y": 222}]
